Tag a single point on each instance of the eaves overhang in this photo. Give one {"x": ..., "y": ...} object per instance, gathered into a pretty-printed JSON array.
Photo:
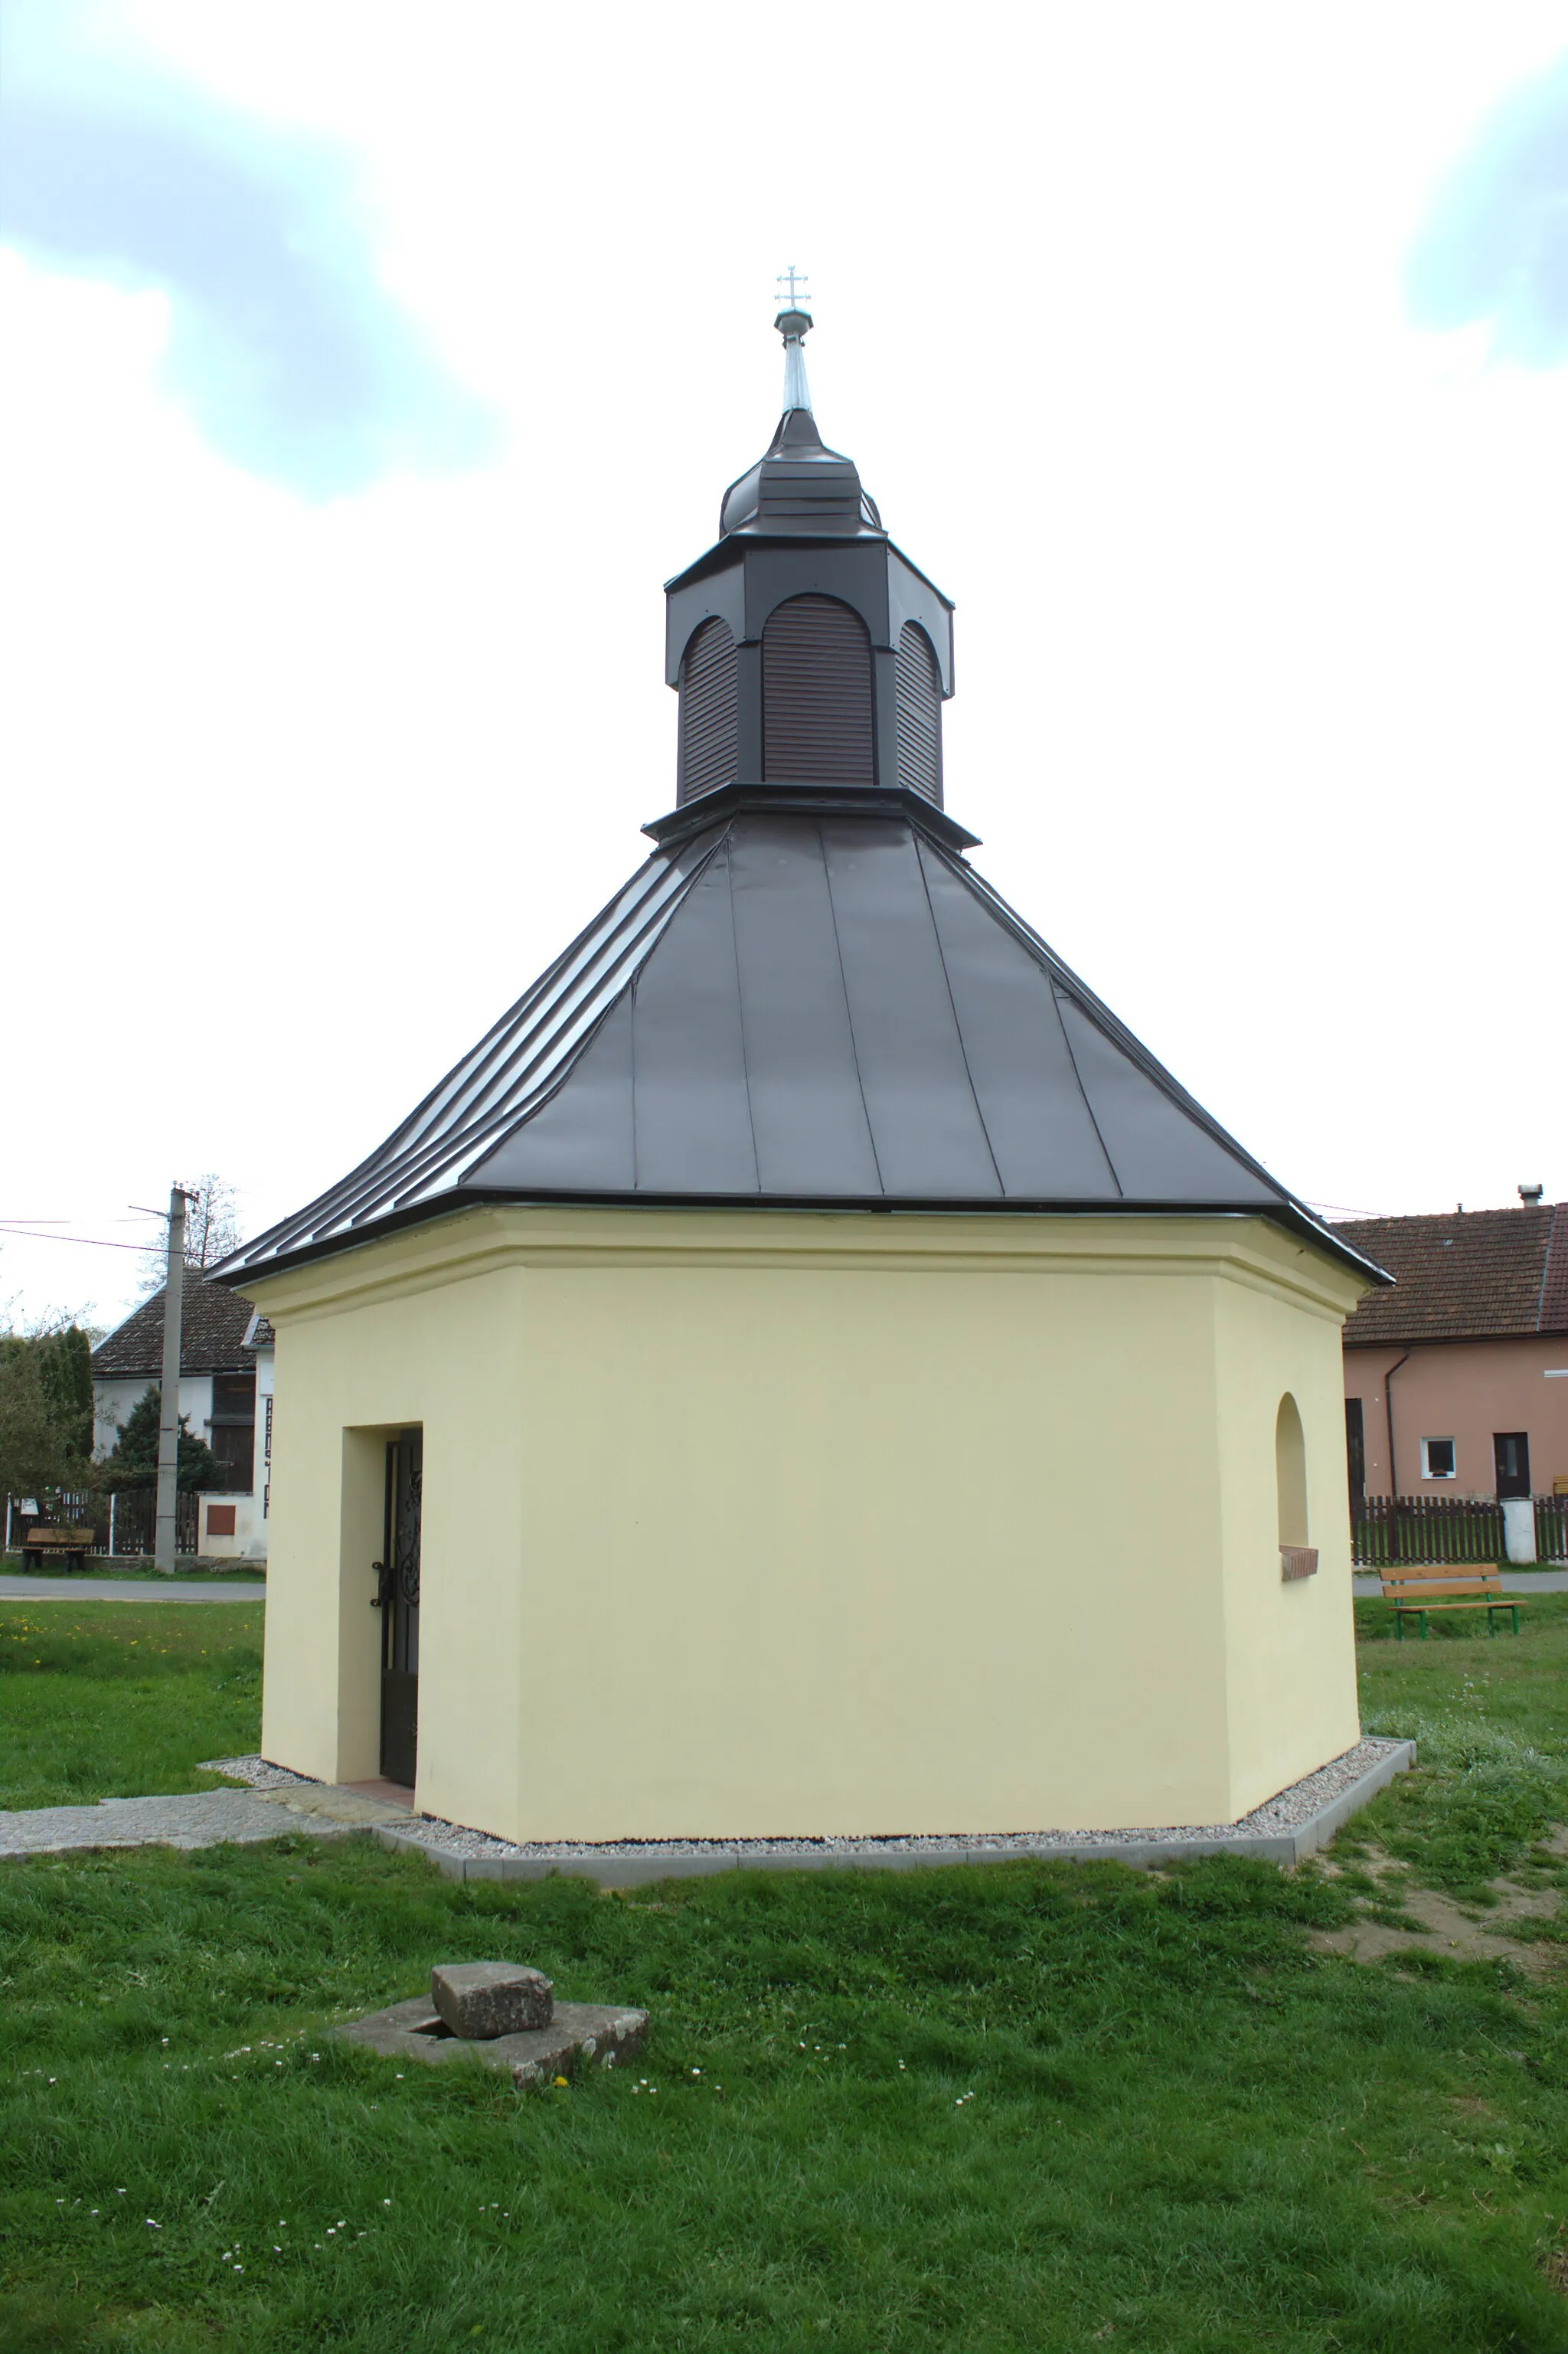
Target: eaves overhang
[
  {"x": 1290, "y": 1217},
  {"x": 725, "y": 552},
  {"x": 725, "y": 802}
]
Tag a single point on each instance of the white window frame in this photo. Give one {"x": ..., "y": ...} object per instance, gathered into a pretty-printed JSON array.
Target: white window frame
[{"x": 1427, "y": 1470}]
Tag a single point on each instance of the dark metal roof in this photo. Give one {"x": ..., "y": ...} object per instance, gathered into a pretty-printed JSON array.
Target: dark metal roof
[
  {"x": 213, "y": 1325},
  {"x": 808, "y": 1004},
  {"x": 1467, "y": 1275},
  {"x": 798, "y": 484}
]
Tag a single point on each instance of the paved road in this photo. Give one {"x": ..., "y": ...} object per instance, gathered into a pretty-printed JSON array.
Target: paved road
[
  {"x": 1515, "y": 1581},
  {"x": 128, "y": 1589}
]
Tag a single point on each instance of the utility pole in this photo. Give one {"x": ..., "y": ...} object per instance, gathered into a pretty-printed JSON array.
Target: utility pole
[{"x": 169, "y": 1413}]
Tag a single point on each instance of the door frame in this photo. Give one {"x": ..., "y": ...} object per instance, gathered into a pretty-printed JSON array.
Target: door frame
[{"x": 1522, "y": 1438}]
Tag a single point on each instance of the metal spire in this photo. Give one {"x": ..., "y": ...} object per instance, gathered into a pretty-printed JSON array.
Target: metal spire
[{"x": 792, "y": 322}]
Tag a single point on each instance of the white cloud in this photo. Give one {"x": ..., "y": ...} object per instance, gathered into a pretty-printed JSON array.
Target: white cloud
[{"x": 1259, "y": 594}]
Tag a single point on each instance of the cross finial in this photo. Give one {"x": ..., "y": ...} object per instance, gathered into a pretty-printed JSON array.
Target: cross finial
[{"x": 796, "y": 294}]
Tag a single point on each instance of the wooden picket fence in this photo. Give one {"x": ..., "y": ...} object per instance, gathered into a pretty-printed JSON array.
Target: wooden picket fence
[
  {"x": 1389, "y": 1531},
  {"x": 1552, "y": 1528},
  {"x": 122, "y": 1523}
]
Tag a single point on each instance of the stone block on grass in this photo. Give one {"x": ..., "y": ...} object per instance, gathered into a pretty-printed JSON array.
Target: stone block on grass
[{"x": 479, "y": 2000}]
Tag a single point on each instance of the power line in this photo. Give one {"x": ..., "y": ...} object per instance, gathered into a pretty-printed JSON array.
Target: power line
[{"x": 94, "y": 1242}]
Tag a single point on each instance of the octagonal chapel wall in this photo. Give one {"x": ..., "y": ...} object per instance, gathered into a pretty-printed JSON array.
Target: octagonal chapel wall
[{"x": 755, "y": 1522}]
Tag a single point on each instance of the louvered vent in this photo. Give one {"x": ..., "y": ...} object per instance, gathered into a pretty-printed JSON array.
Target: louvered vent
[
  {"x": 919, "y": 704},
  {"x": 709, "y": 743},
  {"x": 816, "y": 695}
]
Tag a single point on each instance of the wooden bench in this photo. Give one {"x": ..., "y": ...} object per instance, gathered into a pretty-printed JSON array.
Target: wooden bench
[
  {"x": 1474, "y": 1586},
  {"x": 44, "y": 1541}
]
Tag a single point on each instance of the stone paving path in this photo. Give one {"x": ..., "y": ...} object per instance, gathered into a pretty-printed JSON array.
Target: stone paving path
[
  {"x": 201, "y": 1818},
  {"x": 128, "y": 1589}
]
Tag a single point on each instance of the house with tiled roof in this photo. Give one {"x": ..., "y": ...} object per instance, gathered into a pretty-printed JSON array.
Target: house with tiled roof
[
  {"x": 1456, "y": 1376},
  {"x": 225, "y": 1397}
]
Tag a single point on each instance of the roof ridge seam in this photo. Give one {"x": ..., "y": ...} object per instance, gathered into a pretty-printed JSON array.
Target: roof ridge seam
[
  {"x": 1084, "y": 1094},
  {"x": 740, "y": 1005},
  {"x": 958, "y": 1025},
  {"x": 849, "y": 1010},
  {"x": 1097, "y": 1011},
  {"x": 385, "y": 1176}
]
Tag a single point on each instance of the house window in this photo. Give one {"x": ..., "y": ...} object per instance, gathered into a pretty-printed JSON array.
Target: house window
[
  {"x": 233, "y": 1427},
  {"x": 1437, "y": 1458}
]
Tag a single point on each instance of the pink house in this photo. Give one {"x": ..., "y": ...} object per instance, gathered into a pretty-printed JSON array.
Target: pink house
[{"x": 1456, "y": 1379}]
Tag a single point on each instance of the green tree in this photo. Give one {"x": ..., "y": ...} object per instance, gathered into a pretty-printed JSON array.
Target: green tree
[
  {"x": 134, "y": 1461},
  {"x": 65, "y": 1365},
  {"x": 45, "y": 1410}
]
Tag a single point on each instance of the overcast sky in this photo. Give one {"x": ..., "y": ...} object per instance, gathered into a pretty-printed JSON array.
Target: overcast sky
[{"x": 370, "y": 364}]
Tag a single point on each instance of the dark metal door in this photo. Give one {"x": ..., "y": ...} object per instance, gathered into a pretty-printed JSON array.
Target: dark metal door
[
  {"x": 400, "y": 1600},
  {"x": 1510, "y": 1456}
]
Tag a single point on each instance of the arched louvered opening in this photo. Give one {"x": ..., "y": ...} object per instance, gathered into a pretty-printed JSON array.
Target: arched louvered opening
[
  {"x": 709, "y": 754},
  {"x": 920, "y": 708},
  {"x": 816, "y": 695}
]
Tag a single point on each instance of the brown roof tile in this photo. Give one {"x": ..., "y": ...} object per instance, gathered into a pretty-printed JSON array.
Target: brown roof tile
[
  {"x": 1470, "y": 1275},
  {"x": 1554, "y": 1281},
  {"x": 212, "y": 1324}
]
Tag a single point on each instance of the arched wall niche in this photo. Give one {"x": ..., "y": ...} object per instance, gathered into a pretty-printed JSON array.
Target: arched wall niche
[
  {"x": 918, "y": 706},
  {"x": 1291, "y": 1473},
  {"x": 817, "y": 721},
  {"x": 709, "y": 738}
]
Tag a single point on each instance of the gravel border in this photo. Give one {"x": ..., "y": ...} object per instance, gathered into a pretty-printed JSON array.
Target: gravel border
[
  {"x": 258, "y": 1773},
  {"x": 1287, "y": 1812}
]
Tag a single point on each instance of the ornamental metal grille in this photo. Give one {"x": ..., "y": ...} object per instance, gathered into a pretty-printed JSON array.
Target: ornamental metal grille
[{"x": 398, "y": 1601}]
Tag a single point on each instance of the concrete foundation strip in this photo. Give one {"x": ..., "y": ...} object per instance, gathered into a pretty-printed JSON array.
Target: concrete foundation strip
[
  {"x": 324, "y": 1810},
  {"x": 1283, "y": 1847}
]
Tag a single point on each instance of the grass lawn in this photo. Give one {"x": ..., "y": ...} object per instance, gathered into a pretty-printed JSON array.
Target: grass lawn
[
  {"x": 1018, "y": 2106},
  {"x": 134, "y": 1567},
  {"x": 118, "y": 1700}
]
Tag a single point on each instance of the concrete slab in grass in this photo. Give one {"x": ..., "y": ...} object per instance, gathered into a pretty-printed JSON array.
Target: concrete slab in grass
[{"x": 607, "y": 2034}]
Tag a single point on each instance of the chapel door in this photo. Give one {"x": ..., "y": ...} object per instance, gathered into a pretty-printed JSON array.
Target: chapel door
[{"x": 400, "y": 1607}]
